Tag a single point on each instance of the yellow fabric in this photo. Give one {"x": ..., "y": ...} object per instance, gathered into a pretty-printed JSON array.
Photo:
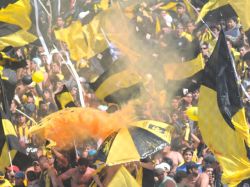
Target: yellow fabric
[
  {"x": 123, "y": 79},
  {"x": 190, "y": 9},
  {"x": 169, "y": 6},
  {"x": 23, "y": 132},
  {"x": 95, "y": 39},
  {"x": 139, "y": 176},
  {"x": 189, "y": 37},
  {"x": 104, "y": 4},
  {"x": 187, "y": 132},
  {"x": 123, "y": 178},
  {"x": 6, "y": 184},
  {"x": 241, "y": 8},
  {"x": 4, "y": 157},
  {"x": 160, "y": 129},
  {"x": 17, "y": 39},
  {"x": 8, "y": 128},
  {"x": 123, "y": 149},
  {"x": 65, "y": 98},
  {"x": 17, "y": 13},
  {"x": 74, "y": 38},
  {"x": 157, "y": 26},
  {"x": 179, "y": 71},
  {"x": 227, "y": 144}
]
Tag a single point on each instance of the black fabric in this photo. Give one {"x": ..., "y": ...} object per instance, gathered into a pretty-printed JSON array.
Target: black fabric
[
  {"x": 123, "y": 95},
  {"x": 7, "y": 29},
  {"x": 146, "y": 142},
  {"x": 219, "y": 14},
  {"x": 219, "y": 75},
  {"x": 5, "y": 3},
  {"x": 116, "y": 67},
  {"x": 103, "y": 151}
]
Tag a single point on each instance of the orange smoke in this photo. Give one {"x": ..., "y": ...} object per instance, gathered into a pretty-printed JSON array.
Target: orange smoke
[{"x": 76, "y": 124}]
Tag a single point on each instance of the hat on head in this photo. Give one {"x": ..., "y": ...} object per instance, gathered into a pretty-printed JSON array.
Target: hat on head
[
  {"x": 14, "y": 168},
  {"x": 20, "y": 175},
  {"x": 164, "y": 166}
]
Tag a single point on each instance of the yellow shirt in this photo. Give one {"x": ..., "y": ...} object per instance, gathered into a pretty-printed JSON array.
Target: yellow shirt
[{"x": 6, "y": 184}]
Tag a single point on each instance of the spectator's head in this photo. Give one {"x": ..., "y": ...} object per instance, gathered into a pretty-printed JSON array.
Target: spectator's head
[
  {"x": 47, "y": 95},
  {"x": 31, "y": 176},
  {"x": 190, "y": 27},
  {"x": 82, "y": 165},
  {"x": 208, "y": 169},
  {"x": 160, "y": 173},
  {"x": 44, "y": 162},
  {"x": 188, "y": 98},
  {"x": 19, "y": 178},
  {"x": 243, "y": 51},
  {"x": 55, "y": 66},
  {"x": 175, "y": 103},
  {"x": 21, "y": 119},
  {"x": 181, "y": 8},
  {"x": 192, "y": 168},
  {"x": 2, "y": 180},
  {"x": 60, "y": 22},
  {"x": 205, "y": 50},
  {"x": 246, "y": 58},
  {"x": 215, "y": 29},
  {"x": 180, "y": 176},
  {"x": 231, "y": 23},
  {"x": 14, "y": 105},
  {"x": 179, "y": 29},
  {"x": 188, "y": 155}
]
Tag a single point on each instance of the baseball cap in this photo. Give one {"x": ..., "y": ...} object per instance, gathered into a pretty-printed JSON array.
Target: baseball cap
[{"x": 181, "y": 4}]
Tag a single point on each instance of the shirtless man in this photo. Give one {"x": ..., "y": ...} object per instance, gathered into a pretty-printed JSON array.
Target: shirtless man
[
  {"x": 194, "y": 178},
  {"x": 175, "y": 156},
  {"x": 81, "y": 176}
]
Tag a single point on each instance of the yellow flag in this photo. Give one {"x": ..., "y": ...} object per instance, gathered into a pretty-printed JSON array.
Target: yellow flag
[
  {"x": 123, "y": 179},
  {"x": 183, "y": 70},
  {"x": 17, "y": 13},
  {"x": 17, "y": 39},
  {"x": 95, "y": 37},
  {"x": 74, "y": 38}
]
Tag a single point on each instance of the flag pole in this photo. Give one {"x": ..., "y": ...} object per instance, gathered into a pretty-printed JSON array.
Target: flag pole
[
  {"x": 19, "y": 111},
  {"x": 2, "y": 94},
  {"x": 193, "y": 7},
  {"x": 75, "y": 75}
]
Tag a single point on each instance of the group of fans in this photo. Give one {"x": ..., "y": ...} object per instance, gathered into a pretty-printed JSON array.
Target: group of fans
[{"x": 186, "y": 162}]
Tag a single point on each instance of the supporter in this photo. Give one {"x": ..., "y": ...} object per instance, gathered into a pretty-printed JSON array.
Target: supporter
[
  {"x": 48, "y": 175},
  {"x": 194, "y": 177},
  {"x": 19, "y": 179},
  {"x": 4, "y": 182},
  {"x": 161, "y": 171},
  {"x": 81, "y": 175}
]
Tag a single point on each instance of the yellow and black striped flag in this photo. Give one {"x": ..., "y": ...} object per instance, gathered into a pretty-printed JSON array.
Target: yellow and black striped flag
[
  {"x": 221, "y": 115},
  {"x": 118, "y": 84},
  {"x": 218, "y": 9},
  {"x": 64, "y": 99},
  {"x": 187, "y": 74},
  {"x": 15, "y": 23},
  {"x": 9, "y": 143}
]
